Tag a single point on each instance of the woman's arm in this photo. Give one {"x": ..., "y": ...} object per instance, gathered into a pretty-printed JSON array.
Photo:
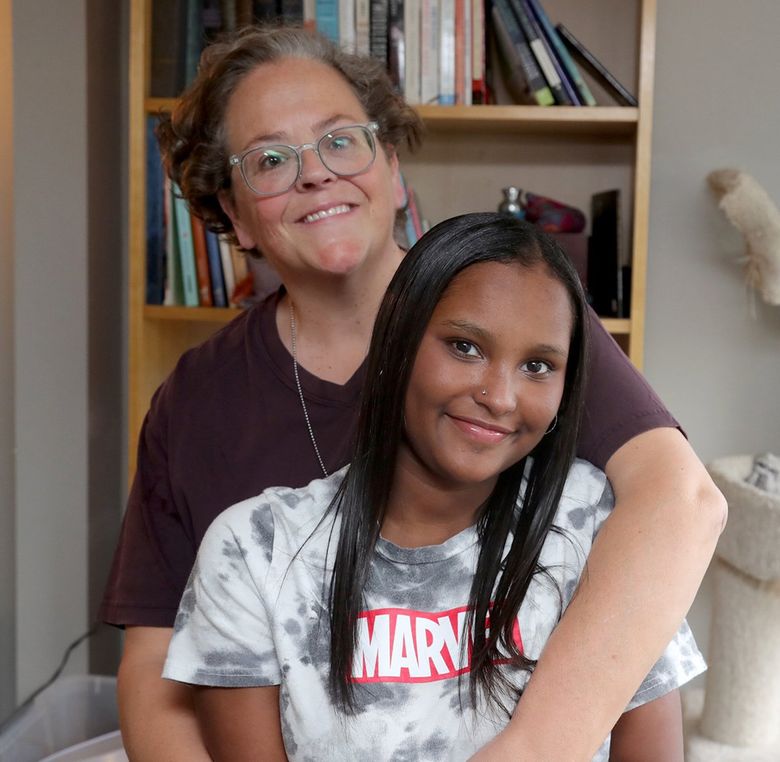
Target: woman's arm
[
  {"x": 157, "y": 716},
  {"x": 650, "y": 732},
  {"x": 642, "y": 574},
  {"x": 241, "y": 724}
]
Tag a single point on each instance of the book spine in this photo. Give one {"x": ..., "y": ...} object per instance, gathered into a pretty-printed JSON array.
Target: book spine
[
  {"x": 412, "y": 51},
  {"x": 530, "y": 69},
  {"x": 155, "y": 218},
  {"x": 465, "y": 95},
  {"x": 184, "y": 246},
  {"x": 478, "y": 86},
  {"x": 378, "y": 44},
  {"x": 396, "y": 44},
  {"x": 346, "y": 11},
  {"x": 596, "y": 68},
  {"x": 572, "y": 96},
  {"x": 429, "y": 51},
  {"x": 540, "y": 53},
  {"x": 227, "y": 268},
  {"x": 586, "y": 96},
  {"x": 327, "y": 15},
  {"x": 447, "y": 52},
  {"x": 201, "y": 261},
  {"x": 193, "y": 39},
  {"x": 174, "y": 293},
  {"x": 310, "y": 14},
  {"x": 219, "y": 296},
  {"x": 363, "y": 27},
  {"x": 291, "y": 11}
]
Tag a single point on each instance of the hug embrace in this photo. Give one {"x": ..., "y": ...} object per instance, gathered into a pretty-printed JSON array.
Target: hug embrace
[
  {"x": 411, "y": 582},
  {"x": 394, "y": 609}
]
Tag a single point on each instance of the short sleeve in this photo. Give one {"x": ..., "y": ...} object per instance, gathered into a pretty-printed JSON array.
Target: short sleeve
[
  {"x": 223, "y": 635},
  {"x": 679, "y": 663},
  {"x": 156, "y": 547},
  {"x": 619, "y": 403}
]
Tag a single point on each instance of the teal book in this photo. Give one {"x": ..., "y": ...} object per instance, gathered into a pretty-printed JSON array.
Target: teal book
[{"x": 186, "y": 249}]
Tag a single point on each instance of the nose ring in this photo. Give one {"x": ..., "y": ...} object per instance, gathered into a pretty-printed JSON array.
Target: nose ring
[{"x": 484, "y": 392}]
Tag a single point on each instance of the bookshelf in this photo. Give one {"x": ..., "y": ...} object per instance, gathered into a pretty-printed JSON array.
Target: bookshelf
[{"x": 473, "y": 151}]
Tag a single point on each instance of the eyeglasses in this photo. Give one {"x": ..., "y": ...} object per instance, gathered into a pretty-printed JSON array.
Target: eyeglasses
[{"x": 271, "y": 170}]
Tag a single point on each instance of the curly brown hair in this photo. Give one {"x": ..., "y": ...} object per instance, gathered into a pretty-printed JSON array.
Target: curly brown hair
[{"x": 192, "y": 137}]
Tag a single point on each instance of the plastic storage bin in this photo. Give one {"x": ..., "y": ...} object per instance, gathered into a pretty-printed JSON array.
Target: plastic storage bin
[{"x": 66, "y": 718}]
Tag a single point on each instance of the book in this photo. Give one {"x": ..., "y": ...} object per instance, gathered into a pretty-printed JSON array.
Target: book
[
  {"x": 396, "y": 46},
  {"x": 541, "y": 53},
  {"x": 327, "y": 15},
  {"x": 604, "y": 256},
  {"x": 566, "y": 61},
  {"x": 166, "y": 72},
  {"x": 566, "y": 82},
  {"x": 363, "y": 27},
  {"x": 155, "y": 218},
  {"x": 189, "y": 278},
  {"x": 464, "y": 96},
  {"x": 174, "y": 288},
  {"x": 291, "y": 11},
  {"x": 526, "y": 82},
  {"x": 201, "y": 261},
  {"x": 429, "y": 51},
  {"x": 218, "y": 293},
  {"x": 412, "y": 51},
  {"x": 478, "y": 83},
  {"x": 227, "y": 268},
  {"x": 193, "y": 39},
  {"x": 380, "y": 10},
  {"x": 447, "y": 52},
  {"x": 597, "y": 69},
  {"x": 346, "y": 14}
]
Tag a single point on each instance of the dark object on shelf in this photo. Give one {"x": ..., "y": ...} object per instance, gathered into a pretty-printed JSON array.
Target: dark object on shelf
[
  {"x": 596, "y": 68},
  {"x": 605, "y": 278},
  {"x": 575, "y": 246}
]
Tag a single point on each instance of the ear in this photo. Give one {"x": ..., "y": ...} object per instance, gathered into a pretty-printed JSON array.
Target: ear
[
  {"x": 229, "y": 208},
  {"x": 399, "y": 192}
]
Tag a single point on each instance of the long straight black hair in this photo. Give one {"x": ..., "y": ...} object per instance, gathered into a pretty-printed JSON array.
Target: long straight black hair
[{"x": 418, "y": 285}]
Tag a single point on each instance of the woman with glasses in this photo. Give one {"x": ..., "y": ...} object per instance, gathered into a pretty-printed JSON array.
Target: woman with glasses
[{"x": 255, "y": 145}]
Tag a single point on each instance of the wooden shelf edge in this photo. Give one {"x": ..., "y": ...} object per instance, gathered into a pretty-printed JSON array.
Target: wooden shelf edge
[
  {"x": 606, "y": 120},
  {"x": 617, "y": 326},
  {"x": 197, "y": 314}
]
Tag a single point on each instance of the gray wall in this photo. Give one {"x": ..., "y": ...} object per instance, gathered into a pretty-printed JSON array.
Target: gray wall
[
  {"x": 7, "y": 587},
  {"x": 713, "y": 361},
  {"x": 61, "y": 404}
]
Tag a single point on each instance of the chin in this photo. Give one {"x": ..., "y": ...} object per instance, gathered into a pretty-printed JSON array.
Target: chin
[{"x": 341, "y": 259}]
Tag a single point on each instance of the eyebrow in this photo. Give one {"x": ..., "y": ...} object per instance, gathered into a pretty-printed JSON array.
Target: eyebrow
[
  {"x": 280, "y": 137},
  {"x": 475, "y": 330}
]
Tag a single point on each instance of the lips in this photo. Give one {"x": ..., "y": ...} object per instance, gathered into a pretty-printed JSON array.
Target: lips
[
  {"x": 481, "y": 431},
  {"x": 325, "y": 213}
]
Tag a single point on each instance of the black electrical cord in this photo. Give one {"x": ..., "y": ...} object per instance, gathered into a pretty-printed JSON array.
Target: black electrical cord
[{"x": 57, "y": 672}]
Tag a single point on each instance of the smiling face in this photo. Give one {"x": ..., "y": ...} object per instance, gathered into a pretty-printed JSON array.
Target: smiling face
[
  {"x": 324, "y": 224},
  {"x": 503, "y": 329}
]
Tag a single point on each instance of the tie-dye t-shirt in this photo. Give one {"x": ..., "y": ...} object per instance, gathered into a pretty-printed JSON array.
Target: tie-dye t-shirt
[{"x": 254, "y": 613}]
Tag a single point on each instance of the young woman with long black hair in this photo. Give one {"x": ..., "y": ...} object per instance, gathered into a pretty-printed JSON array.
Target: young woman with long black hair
[{"x": 395, "y": 609}]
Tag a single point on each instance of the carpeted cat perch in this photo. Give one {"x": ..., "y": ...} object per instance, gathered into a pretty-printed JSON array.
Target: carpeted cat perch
[{"x": 740, "y": 717}]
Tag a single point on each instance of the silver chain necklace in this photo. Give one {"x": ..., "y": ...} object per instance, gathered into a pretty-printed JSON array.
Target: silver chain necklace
[{"x": 300, "y": 391}]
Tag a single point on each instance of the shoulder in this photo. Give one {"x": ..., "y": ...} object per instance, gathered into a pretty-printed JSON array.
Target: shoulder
[{"x": 277, "y": 521}]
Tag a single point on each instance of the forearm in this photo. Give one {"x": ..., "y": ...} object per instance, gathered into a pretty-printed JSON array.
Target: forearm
[
  {"x": 642, "y": 575},
  {"x": 157, "y": 716}
]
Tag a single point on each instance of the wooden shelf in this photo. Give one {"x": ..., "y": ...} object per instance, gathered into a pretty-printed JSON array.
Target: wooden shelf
[
  {"x": 616, "y": 326},
  {"x": 563, "y": 120}
]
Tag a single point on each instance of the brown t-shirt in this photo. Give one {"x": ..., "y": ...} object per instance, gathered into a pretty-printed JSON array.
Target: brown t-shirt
[{"x": 228, "y": 423}]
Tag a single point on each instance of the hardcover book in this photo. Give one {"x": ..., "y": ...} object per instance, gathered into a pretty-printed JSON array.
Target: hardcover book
[
  {"x": 605, "y": 277},
  {"x": 596, "y": 68},
  {"x": 184, "y": 246},
  {"x": 155, "y": 218},
  {"x": 525, "y": 75},
  {"x": 566, "y": 61}
]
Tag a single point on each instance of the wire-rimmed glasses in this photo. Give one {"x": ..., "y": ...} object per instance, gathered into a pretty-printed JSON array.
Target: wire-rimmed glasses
[{"x": 273, "y": 169}]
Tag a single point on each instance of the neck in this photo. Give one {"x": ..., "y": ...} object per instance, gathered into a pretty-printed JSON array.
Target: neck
[
  {"x": 334, "y": 318},
  {"x": 421, "y": 511}
]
